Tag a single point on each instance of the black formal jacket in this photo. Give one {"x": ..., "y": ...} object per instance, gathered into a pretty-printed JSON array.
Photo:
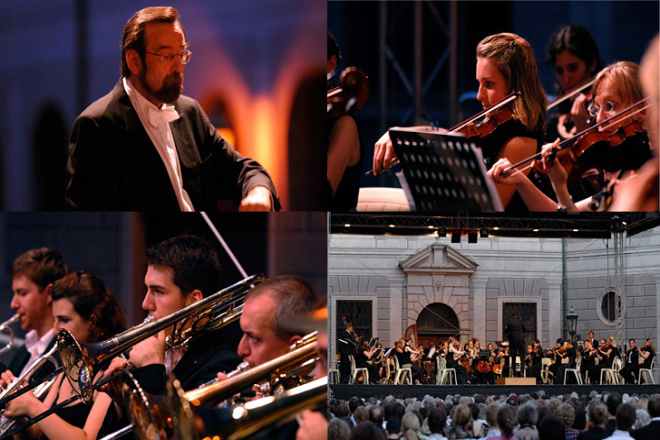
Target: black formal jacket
[
  {"x": 648, "y": 432},
  {"x": 206, "y": 356},
  {"x": 114, "y": 166}
]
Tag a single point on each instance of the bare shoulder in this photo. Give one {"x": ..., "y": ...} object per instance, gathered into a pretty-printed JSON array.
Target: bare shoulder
[{"x": 518, "y": 148}]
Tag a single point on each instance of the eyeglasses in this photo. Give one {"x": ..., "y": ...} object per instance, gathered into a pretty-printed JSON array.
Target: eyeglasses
[
  {"x": 610, "y": 107},
  {"x": 184, "y": 56}
]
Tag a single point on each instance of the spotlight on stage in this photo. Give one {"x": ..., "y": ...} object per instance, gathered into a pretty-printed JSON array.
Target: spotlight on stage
[
  {"x": 472, "y": 236},
  {"x": 456, "y": 236}
]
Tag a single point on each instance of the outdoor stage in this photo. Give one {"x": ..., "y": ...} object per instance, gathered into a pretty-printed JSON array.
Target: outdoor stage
[{"x": 345, "y": 392}]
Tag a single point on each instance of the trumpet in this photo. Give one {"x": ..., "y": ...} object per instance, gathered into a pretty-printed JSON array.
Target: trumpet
[
  {"x": 82, "y": 362},
  {"x": 40, "y": 389},
  {"x": 15, "y": 389},
  {"x": 5, "y": 327}
]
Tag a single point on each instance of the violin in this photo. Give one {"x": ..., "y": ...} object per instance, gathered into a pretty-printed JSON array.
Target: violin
[
  {"x": 571, "y": 150},
  {"x": 494, "y": 117},
  {"x": 351, "y": 94}
]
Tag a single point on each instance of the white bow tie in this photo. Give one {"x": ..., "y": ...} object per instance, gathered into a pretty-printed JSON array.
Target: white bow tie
[{"x": 159, "y": 117}]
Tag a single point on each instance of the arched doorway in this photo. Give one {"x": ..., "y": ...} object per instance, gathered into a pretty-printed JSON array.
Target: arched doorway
[{"x": 435, "y": 323}]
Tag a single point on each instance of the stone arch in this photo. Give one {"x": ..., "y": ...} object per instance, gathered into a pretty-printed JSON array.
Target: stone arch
[{"x": 437, "y": 321}]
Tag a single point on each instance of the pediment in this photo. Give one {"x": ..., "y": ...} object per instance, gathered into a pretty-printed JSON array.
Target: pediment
[{"x": 438, "y": 258}]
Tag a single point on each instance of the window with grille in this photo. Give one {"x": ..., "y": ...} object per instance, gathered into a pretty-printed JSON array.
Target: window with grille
[
  {"x": 360, "y": 313},
  {"x": 608, "y": 305},
  {"x": 527, "y": 312}
]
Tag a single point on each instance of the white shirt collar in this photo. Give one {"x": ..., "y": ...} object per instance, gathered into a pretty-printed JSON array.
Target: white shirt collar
[{"x": 35, "y": 345}]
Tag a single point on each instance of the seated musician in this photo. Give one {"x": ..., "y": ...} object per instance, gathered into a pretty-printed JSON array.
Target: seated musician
[
  {"x": 454, "y": 353},
  {"x": 404, "y": 354},
  {"x": 363, "y": 355},
  {"x": 616, "y": 88},
  {"x": 573, "y": 55},
  {"x": 344, "y": 155},
  {"x": 91, "y": 313},
  {"x": 631, "y": 363},
  {"x": 639, "y": 191},
  {"x": 505, "y": 64},
  {"x": 648, "y": 353},
  {"x": 556, "y": 359},
  {"x": 33, "y": 274},
  {"x": 180, "y": 271},
  {"x": 568, "y": 355},
  {"x": 588, "y": 360},
  {"x": 607, "y": 351},
  {"x": 533, "y": 360}
]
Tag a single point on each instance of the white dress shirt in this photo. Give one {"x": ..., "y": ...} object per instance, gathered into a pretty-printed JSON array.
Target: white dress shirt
[
  {"x": 36, "y": 346},
  {"x": 157, "y": 123}
]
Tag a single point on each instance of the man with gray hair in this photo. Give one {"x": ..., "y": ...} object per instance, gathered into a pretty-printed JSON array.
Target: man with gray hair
[{"x": 266, "y": 311}]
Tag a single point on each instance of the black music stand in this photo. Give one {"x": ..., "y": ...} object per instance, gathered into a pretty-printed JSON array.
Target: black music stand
[{"x": 443, "y": 172}]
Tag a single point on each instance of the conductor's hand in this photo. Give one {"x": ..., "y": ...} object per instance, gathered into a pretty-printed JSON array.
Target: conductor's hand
[
  {"x": 257, "y": 199},
  {"x": 383, "y": 154},
  {"x": 497, "y": 174}
]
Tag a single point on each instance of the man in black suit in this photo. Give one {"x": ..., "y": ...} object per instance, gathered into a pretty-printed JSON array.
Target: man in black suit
[
  {"x": 631, "y": 363},
  {"x": 145, "y": 147},
  {"x": 652, "y": 430},
  {"x": 33, "y": 274},
  {"x": 346, "y": 342},
  {"x": 515, "y": 332}
]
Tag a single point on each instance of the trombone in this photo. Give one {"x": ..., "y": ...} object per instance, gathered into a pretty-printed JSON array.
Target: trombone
[
  {"x": 82, "y": 362},
  {"x": 163, "y": 416},
  {"x": 5, "y": 327}
]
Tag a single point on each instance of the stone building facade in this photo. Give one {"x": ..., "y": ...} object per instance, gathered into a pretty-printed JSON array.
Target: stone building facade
[{"x": 388, "y": 283}]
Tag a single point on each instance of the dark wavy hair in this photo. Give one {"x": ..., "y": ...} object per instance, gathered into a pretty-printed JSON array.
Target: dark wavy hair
[
  {"x": 578, "y": 41},
  {"x": 42, "y": 265},
  {"x": 194, "y": 263},
  {"x": 133, "y": 35},
  {"x": 93, "y": 302}
]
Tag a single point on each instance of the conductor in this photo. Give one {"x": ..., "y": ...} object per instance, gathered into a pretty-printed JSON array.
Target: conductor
[{"x": 515, "y": 333}]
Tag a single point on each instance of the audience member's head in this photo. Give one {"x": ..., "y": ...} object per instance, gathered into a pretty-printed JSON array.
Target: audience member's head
[
  {"x": 566, "y": 414},
  {"x": 625, "y": 417},
  {"x": 360, "y": 414},
  {"x": 393, "y": 427},
  {"x": 491, "y": 414},
  {"x": 506, "y": 420},
  {"x": 410, "y": 425},
  {"x": 338, "y": 429},
  {"x": 613, "y": 401},
  {"x": 654, "y": 405},
  {"x": 377, "y": 414},
  {"x": 598, "y": 413},
  {"x": 367, "y": 431},
  {"x": 527, "y": 414},
  {"x": 437, "y": 420},
  {"x": 551, "y": 428},
  {"x": 353, "y": 403}
]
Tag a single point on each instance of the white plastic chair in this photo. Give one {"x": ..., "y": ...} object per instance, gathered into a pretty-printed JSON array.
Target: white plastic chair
[
  {"x": 575, "y": 371},
  {"x": 445, "y": 375},
  {"x": 649, "y": 372},
  {"x": 611, "y": 374},
  {"x": 402, "y": 373},
  {"x": 544, "y": 373},
  {"x": 356, "y": 371}
]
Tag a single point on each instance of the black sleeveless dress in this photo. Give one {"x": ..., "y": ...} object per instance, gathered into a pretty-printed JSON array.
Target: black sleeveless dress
[
  {"x": 492, "y": 144},
  {"x": 345, "y": 198}
]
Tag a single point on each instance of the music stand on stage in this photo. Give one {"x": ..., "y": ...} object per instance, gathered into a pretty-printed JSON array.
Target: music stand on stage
[{"x": 443, "y": 172}]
